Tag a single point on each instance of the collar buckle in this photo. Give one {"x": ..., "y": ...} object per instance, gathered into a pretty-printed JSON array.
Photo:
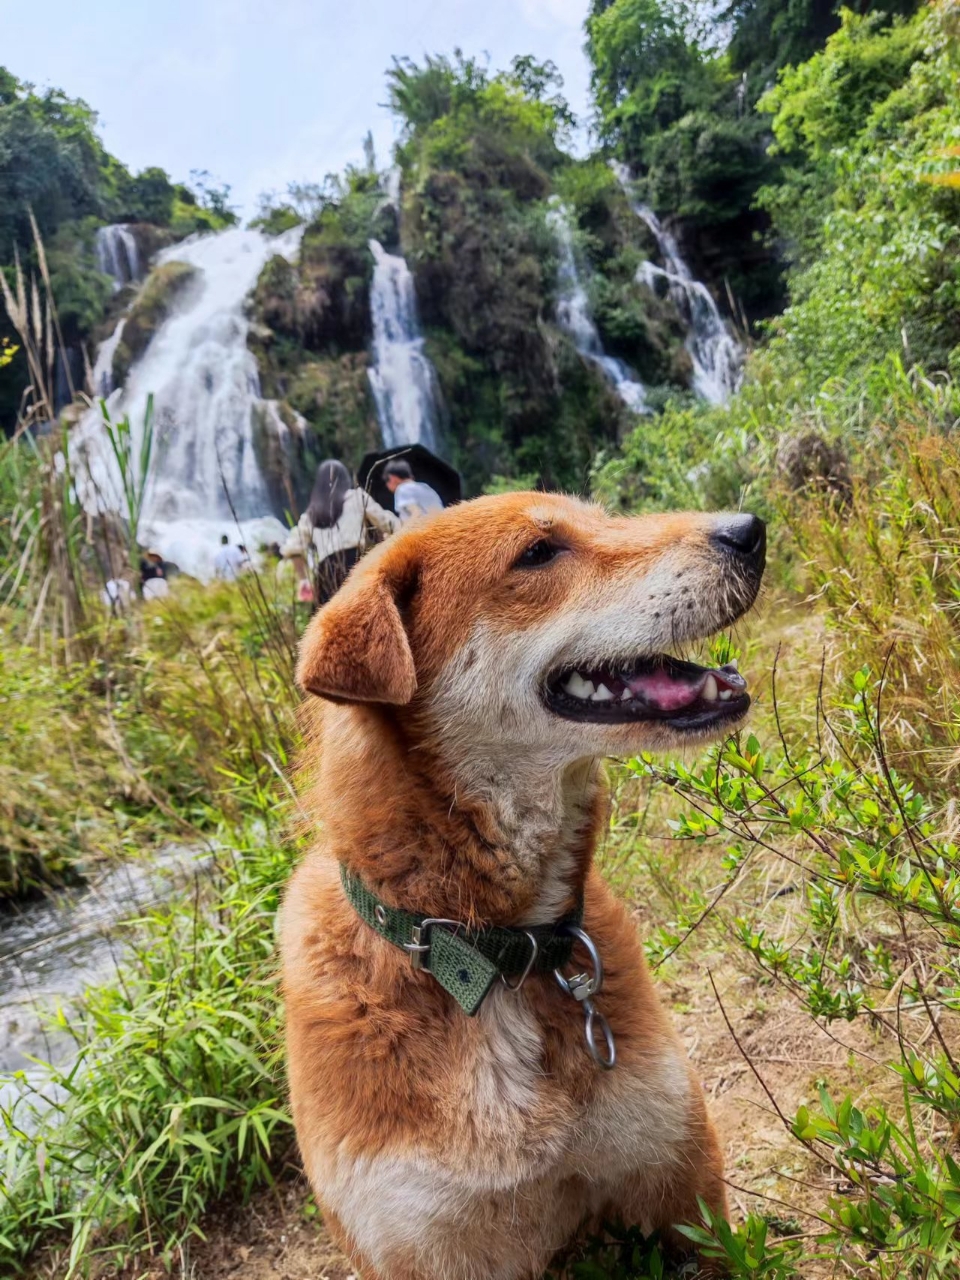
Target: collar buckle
[{"x": 418, "y": 948}]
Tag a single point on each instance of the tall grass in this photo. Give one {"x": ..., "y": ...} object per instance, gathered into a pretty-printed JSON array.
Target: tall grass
[
  {"x": 884, "y": 564},
  {"x": 133, "y": 464},
  {"x": 176, "y": 1096}
]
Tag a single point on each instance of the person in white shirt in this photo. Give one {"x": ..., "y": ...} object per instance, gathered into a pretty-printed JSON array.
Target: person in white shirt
[
  {"x": 411, "y": 498},
  {"x": 229, "y": 561},
  {"x": 336, "y": 528}
]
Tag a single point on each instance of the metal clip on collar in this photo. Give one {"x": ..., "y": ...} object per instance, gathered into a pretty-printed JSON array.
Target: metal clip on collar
[
  {"x": 583, "y": 987},
  {"x": 418, "y": 948}
]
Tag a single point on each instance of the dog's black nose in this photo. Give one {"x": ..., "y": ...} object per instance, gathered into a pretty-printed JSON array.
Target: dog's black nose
[{"x": 745, "y": 535}]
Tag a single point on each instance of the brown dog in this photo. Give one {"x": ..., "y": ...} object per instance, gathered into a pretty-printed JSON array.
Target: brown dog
[{"x": 472, "y": 672}]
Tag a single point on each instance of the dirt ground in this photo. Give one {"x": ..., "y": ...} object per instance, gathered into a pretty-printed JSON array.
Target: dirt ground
[{"x": 278, "y": 1236}]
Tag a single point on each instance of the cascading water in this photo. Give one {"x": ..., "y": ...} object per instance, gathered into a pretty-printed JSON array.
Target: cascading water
[
  {"x": 101, "y": 376},
  {"x": 117, "y": 254},
  {"x": 402, "y": 378},
  {"x": 573, "y": 315},
  {"x": 717, "y": 356},
  {"x": 205, "y": 475}
]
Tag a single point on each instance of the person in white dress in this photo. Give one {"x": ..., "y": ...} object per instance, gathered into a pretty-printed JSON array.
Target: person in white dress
[{"x": 340, "y": 522}]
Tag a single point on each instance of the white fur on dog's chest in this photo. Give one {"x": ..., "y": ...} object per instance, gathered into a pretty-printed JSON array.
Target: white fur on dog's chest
[
  {"x": 515, "y": 1141},
  {"x": 633, "y": 1118}
]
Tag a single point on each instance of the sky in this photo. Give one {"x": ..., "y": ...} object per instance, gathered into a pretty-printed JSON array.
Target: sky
[{"x": 264, "y": 93}]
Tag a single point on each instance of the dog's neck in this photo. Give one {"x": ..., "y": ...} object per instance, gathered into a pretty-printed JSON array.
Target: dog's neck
[
  {"x": 494, "y": 838},
  {"x": 542, "y": 811}
]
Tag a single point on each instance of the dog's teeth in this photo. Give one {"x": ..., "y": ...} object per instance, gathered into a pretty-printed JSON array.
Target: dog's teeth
[
  {"x": 733, "y": 664},
  {"x": 578, "y": 687},
  {"x": 626, "y": 695},
  {"x": 726, "y": 695},
  {"x": 709, "y": 690},
  {"x": 602, "y": 694}
]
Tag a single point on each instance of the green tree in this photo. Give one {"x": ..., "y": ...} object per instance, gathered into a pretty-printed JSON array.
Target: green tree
[
  {"x": 770, "y": 34},
  {"x": 647, "y": 70},
  {"x": 151, "y": 197}
]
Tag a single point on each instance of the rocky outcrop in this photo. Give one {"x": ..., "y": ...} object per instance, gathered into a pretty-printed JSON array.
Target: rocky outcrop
[
  {"x": 160, "y": 292},
  {"x": 283, "y": 445},
  {"x": 321, "y": 302},
  {"x": 309, "y": 332},
  {"x": 150, "y": 239}
]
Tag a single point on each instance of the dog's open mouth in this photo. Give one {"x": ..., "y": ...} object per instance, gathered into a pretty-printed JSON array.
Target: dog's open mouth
[{"x": 682, "y": 694}]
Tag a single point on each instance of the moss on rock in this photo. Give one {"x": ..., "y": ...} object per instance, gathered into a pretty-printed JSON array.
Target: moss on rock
[
  {"x": 333, "y": 395},
  {"x": 163, "y": 288}
]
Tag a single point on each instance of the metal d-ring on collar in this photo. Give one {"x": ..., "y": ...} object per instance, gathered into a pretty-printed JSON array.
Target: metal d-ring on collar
[
  {"x": 583, "y": 987},
  {"x": 534, "y": 952}
]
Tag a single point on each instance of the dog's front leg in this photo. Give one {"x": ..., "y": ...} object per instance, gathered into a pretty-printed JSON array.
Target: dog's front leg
[{"x": 658, "y": 1198}]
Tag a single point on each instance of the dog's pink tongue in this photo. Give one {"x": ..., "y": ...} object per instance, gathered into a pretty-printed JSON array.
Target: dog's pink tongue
[{"x": 661, "y": 690}]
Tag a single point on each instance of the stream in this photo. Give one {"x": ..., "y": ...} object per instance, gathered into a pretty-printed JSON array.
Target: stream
[{"x": 53, "y": 949}]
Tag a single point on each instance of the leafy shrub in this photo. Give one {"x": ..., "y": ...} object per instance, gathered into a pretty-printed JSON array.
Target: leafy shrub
[{"x": 870, "y": 848}]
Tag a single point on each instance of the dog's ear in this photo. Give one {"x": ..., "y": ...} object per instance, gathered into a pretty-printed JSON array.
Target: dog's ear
[{"x": 355, "y": 648}]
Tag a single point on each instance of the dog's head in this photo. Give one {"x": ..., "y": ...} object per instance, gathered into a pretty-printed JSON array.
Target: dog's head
[{"x": 533, "y": 620}]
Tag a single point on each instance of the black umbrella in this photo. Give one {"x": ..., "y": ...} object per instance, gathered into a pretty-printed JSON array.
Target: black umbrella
[{"x": 426, "y": 466}]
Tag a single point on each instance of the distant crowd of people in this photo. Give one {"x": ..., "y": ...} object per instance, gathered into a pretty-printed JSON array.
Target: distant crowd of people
[{"x": 340, "y": 523}]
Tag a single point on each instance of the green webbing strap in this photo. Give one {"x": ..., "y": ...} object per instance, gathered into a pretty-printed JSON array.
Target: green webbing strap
[{"x": 465, "y": 963}]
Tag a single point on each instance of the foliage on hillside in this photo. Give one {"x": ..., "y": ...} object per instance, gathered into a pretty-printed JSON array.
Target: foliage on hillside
[
  {"x": 874, "y": 292},
  {"x": 53, "y": 165},
  {"x": 479, "y": 155},
  {"x": 877, "y": 241},
  {"x": 681, "y": 110}
]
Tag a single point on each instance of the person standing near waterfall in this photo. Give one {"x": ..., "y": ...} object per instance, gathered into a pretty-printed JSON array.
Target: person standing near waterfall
[
  {"x": 411, "y": 497},
  {"x": 340, "y": 522}
]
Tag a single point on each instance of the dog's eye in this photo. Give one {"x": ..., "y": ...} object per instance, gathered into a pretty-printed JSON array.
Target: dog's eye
[{"x": 541, "y": 552}]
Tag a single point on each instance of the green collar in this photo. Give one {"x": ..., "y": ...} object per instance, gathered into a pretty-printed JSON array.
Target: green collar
[{"x": 466, "y": 962}]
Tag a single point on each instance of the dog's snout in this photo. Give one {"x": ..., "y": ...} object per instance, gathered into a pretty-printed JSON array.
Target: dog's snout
[{"x": 743, "y": 535}]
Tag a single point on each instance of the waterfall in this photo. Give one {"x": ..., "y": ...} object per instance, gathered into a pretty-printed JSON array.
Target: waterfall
[
  {"x": 206, "y": 392},
  {"x": 717, "y": 356},
  {"x": 402, "y": 378},
  {"x": 101, "y": 376},
  {"x": 573, "y": 315},
  {"x": 117, "y": 254}
]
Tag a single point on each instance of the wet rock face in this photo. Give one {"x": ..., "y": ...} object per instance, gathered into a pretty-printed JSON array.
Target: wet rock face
[
  {"x": 281, "y": 442},
  {"x": 150, "y": 239},
  {"x": 162, "y": 289}
]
